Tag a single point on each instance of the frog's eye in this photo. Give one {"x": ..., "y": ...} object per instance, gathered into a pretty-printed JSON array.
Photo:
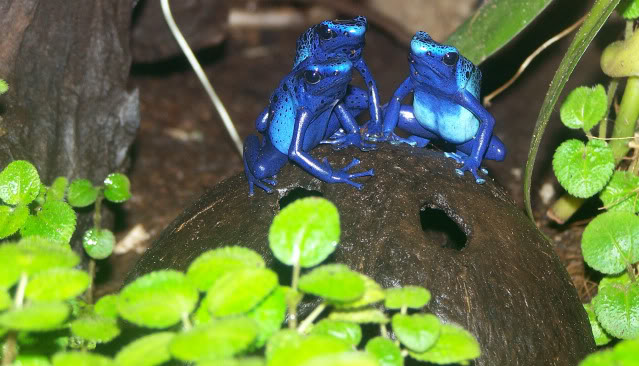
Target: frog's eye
[
  {"x": 451, "y": 58},
  {"x": 312, "y": 76},
  {"x": 325, "y": 32}
]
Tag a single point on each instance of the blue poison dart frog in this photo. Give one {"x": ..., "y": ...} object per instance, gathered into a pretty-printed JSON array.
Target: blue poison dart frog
[
  {"x": 445, "y": 106},
  {"x": 298, "y": 119},
  {"x": 342, "y": 38}
]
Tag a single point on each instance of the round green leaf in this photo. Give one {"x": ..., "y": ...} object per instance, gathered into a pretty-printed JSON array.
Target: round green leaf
[
  {"x": 12, "y": 219},
  {"x": 31, "y": 360},
  {"x": 629, "y": 9},
  {"x": 281, "y": 341},
  {"x": 32, "y": 255},
  {"x": 35, "y": 317},
  {"x": 247, "y": 361},
  {"x": 55, "y": 221},
  {"x": 150, "y": 350},
  {"x": 58, "y": 189},
  {"x": 455, "y": 345},
  {"x": 627, "y": 351},
  {"x": 306, "y": 231},
  {"x": 57, "y": 284},
  {"x": 157, "y": 300},
  {"x": 611, "y": 241},
  {"x": 4, "y": 86},
  {"x": 213, "y": 264},
  {"x": 583, "y": 170},
  {"x": 78, "y": 358},
  {"x": 217, "y": 339},
  {"x": 82, "y": 193},
  {"x": 297, "y": 352},
  {"x": 95, "y": 328},
  {"x": 343, "y": 359},
  {"x": 418, "y": 332},
  {"x": 98, "y": 243},
  {"x": 269, "y": 315},
  {"x": 19, "y": 183},
  {"x": 116, "y": 187},
  {"x": 5, "y": 300},
  {"x": 584, "y": 107},
  {"x": 240, "y": 291},
  {"x": 617, "y": 308},
  {"x": 622, "y": 192},
  {"x": 385, "y": 351},
  {"x": 333, "y": 282},
  {"x": 107, "y": 306},
  {"x": 414, "y": 297},
  {"x": 201, "y": 315},
  {"x": 600, "y": 335},
  {"x": 360, "y": 316},
  {"x": 373, "y": 293},
  {"x": 350, "y": 333}
]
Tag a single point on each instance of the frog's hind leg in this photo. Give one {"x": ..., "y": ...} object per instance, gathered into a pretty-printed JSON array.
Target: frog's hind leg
[
  {"x": 496, "y": 149},
  {"x": 261, "y": 163},
  {"x": 355, "y": 101},
  {"x": 419, "y": 136}
]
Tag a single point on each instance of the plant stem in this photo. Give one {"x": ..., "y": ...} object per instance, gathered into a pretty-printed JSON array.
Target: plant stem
[
  {"x": 19, "y": 296},
  {"x": 97, "y": 211},
  {"x": 383, "y": 331},
  {"x": 311, "y": 318},
  {"x": 292, "y": 305},
  {"x": 564, "y": 208},
  {"x": 89, "y": 294},
  {"x": 10, "y": 349},
  {"x": 186, "y": 322}
]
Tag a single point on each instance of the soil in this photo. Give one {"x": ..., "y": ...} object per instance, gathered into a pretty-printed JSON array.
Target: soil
[{"x": 182, "y": 148}]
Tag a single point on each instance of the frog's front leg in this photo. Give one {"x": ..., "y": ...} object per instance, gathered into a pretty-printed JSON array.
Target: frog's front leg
[
  {"x": 392, "y": 111},
  {"x": 261, "y": 122},
  {"x": 350, "y": 134},
  {"x": 261, "y": 163},
  {"x": 322, "y": 171},
  {"x": 374, "y": 107}
]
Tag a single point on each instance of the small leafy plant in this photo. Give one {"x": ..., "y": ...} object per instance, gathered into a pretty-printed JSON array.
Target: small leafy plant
[{"x": 227, "y": 309}]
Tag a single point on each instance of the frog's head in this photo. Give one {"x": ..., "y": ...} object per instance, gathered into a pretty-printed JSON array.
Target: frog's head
[
  {"x": 332, "y": 38},
  {"x": 325, "y": 81},
  {"x": 441, "y": 66}
]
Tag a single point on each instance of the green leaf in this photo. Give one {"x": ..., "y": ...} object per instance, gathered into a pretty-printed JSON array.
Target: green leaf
[
  {"x": 601, "y": 337},
  {"x": 622, "y": 192},
  {"x": 98, "y": 243},
  {"x": 611, "y": 242},
  {"x": 281, "y": 341},
  {"x": 269, "y": 315},
  {"x": 588, "y": 30},
  {"x": 619, "y": 59},
  {"x": 373, "y": 293},
  {"x": 201, "y": 315},
  {"x": 298, "y": 351},
  {"x": 12, "y": 219},
  {"x": 240, "y": 291},
  {"x": 247, "y": 361},
  {"x": 584, "y": 107},
  {"x": 217, "y": 339},
  {"x": 629, "y": 9},
  {"x": 627, "y": 351},
  {"x": 617, "y": 307},
  {"x": 31, "y": 360},
  {"x": 493, "y": 26},
  {"x": 117, "y": 187},
  {"x": 82, "y": 193},
  {"x": 348, "y": 332},
  {"x": 32, "y": 255},
  {"x": 360, "y": 316},
  {"x": 81, "y": 359},
  {"x": 107, "y": 306},
  {"x": 5, "y": 300},
  {"x": 583, "y": 170},
  {"x": 149, "y": 350},
  {"x": 385, "y": 351},
  {"x": 55, "y": 221},
  {"x": 19, "y": 183},
  {"x": 414, "y": 297},
  {"x": 213, "y": 264},
  {"x": 95, "y": 328},
  {"x": 455, "y": 345},
  {"x": 35, "y": 317},
  {"x": 57, "y": 284},
  {"x": 418, "y": 332},
  {"x": 3, "y": 86},
  {"x": 157, "y": 300},
  {"x": 307, "y": 231},
  {"x": 343, "y": 359},
  {"x": 333, "y": 282},
  {"x": 58, "y": 189}
]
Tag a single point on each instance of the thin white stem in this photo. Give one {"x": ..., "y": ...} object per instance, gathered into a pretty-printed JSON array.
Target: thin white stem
[
  {"x": 311, "y": 318},
  {"x": 22, "y": 285},
  {"x": 219, "y": 106}
]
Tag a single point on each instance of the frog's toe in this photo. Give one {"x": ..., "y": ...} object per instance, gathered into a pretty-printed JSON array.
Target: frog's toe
[
  {"x": 459, "y": 172},
  {"x": 480, "y": 180},
  {"x": 454, "y": 156},
  {"x": 483, "y": 170}
]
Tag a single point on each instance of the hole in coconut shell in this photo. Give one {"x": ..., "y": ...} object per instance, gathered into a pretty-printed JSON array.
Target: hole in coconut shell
[
  {"x": 439, "y": 228},
  {"x": 296, "y": 194}
]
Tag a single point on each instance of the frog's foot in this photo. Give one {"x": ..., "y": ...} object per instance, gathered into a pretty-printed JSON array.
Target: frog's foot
[
  {"x": 471, "y": 165},
  {"x": 261, "y": 183},
  {"x": 373, "y": 131},
  {"x": 414, "y": 141},
  {"x": 339, "y": 133},
  {"x": 345, "y": 140},
  {"x": 343, "y": 176}
]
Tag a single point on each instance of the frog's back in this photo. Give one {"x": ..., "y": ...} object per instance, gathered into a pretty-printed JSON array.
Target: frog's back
[{"x": 282, "y": 119}]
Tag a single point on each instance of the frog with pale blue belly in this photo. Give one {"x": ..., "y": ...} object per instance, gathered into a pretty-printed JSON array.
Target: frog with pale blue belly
[
  {"x": 341, "y": 38},
  {"x": 445, "y": 106},
  {"x": 298, "y": 119}
]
